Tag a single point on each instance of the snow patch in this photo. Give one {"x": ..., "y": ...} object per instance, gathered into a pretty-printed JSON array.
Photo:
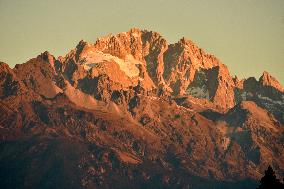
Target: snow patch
[
  {"x": 270, "y": 100},
  {"x": 245, "y": 95},
  {"x": 127, "y": 65}
]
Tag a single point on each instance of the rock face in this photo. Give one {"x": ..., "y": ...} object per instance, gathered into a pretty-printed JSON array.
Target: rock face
[
  {"x": 267, "y": 93},
  {"x": 267, "y": 80},
  {"x": 132, "y": 111}
]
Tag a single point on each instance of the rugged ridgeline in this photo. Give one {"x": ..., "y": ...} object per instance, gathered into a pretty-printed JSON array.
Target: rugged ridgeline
[{"x": 132, "y": 111}]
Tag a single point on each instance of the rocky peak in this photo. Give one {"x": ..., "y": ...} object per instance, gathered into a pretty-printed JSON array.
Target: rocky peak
[
  {"x": 134, "y": 46},
  {"x": 265, "y": 92},
  {"x": 81, "y": 44},
  {"x": 46, "y": 56},
  {"x": 181, "y": 68},
  {"x": 82, "y": 49},
  {"x": 238, "y": 83},
  {"x": 112, "y": 45},
  {"x": 191, "y": 71},
  {"x": 267, "y": 80},
  {"x": 214, "y": 84},
  {"x": 8, "y": 81},
  {"x": 131, "y": 41},
  {"x": 42, "y": 59},
  {"x": 251, "y": 84},
  {"x": 187, "y": 43},
  {"x": 4, "y": 67},
  {"x": 135, "y": 32},
  {"x": 119, "y": 94}
]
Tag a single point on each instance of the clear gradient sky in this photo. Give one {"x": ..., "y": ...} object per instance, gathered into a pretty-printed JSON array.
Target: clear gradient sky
[{"x": 246, "y": 35}]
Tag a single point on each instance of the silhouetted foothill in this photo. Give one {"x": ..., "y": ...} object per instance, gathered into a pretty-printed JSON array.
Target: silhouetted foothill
[{"x": 269, "y": 180}]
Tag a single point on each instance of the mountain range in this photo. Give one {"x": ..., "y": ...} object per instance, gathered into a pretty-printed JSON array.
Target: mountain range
[{"x": 133, "y": 111}]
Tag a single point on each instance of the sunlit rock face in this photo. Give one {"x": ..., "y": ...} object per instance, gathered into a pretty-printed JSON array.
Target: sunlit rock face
[
  {"x": 146, "y": 58},
  {"x": 133, "y": 111}
]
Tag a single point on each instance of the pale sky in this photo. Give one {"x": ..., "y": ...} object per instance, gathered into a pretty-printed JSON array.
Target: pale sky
[{"x": 246, "y": 35}]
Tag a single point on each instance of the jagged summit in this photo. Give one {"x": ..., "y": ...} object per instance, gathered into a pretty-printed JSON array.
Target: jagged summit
[
  {"x": 81, "y": 44},
  {"x": 4, "y": 66},
  {"x": 133, "y": 111},
  {"x": 145, "y": 57},
  {"x": 267, "y": 80}
]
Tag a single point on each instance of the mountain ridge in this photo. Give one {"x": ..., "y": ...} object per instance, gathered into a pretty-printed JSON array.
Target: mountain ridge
[{"x": 141, "y": 113}]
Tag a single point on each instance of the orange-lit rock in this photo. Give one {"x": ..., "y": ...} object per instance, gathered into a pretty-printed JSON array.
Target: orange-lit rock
[{"x": 132, "y": 111}]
